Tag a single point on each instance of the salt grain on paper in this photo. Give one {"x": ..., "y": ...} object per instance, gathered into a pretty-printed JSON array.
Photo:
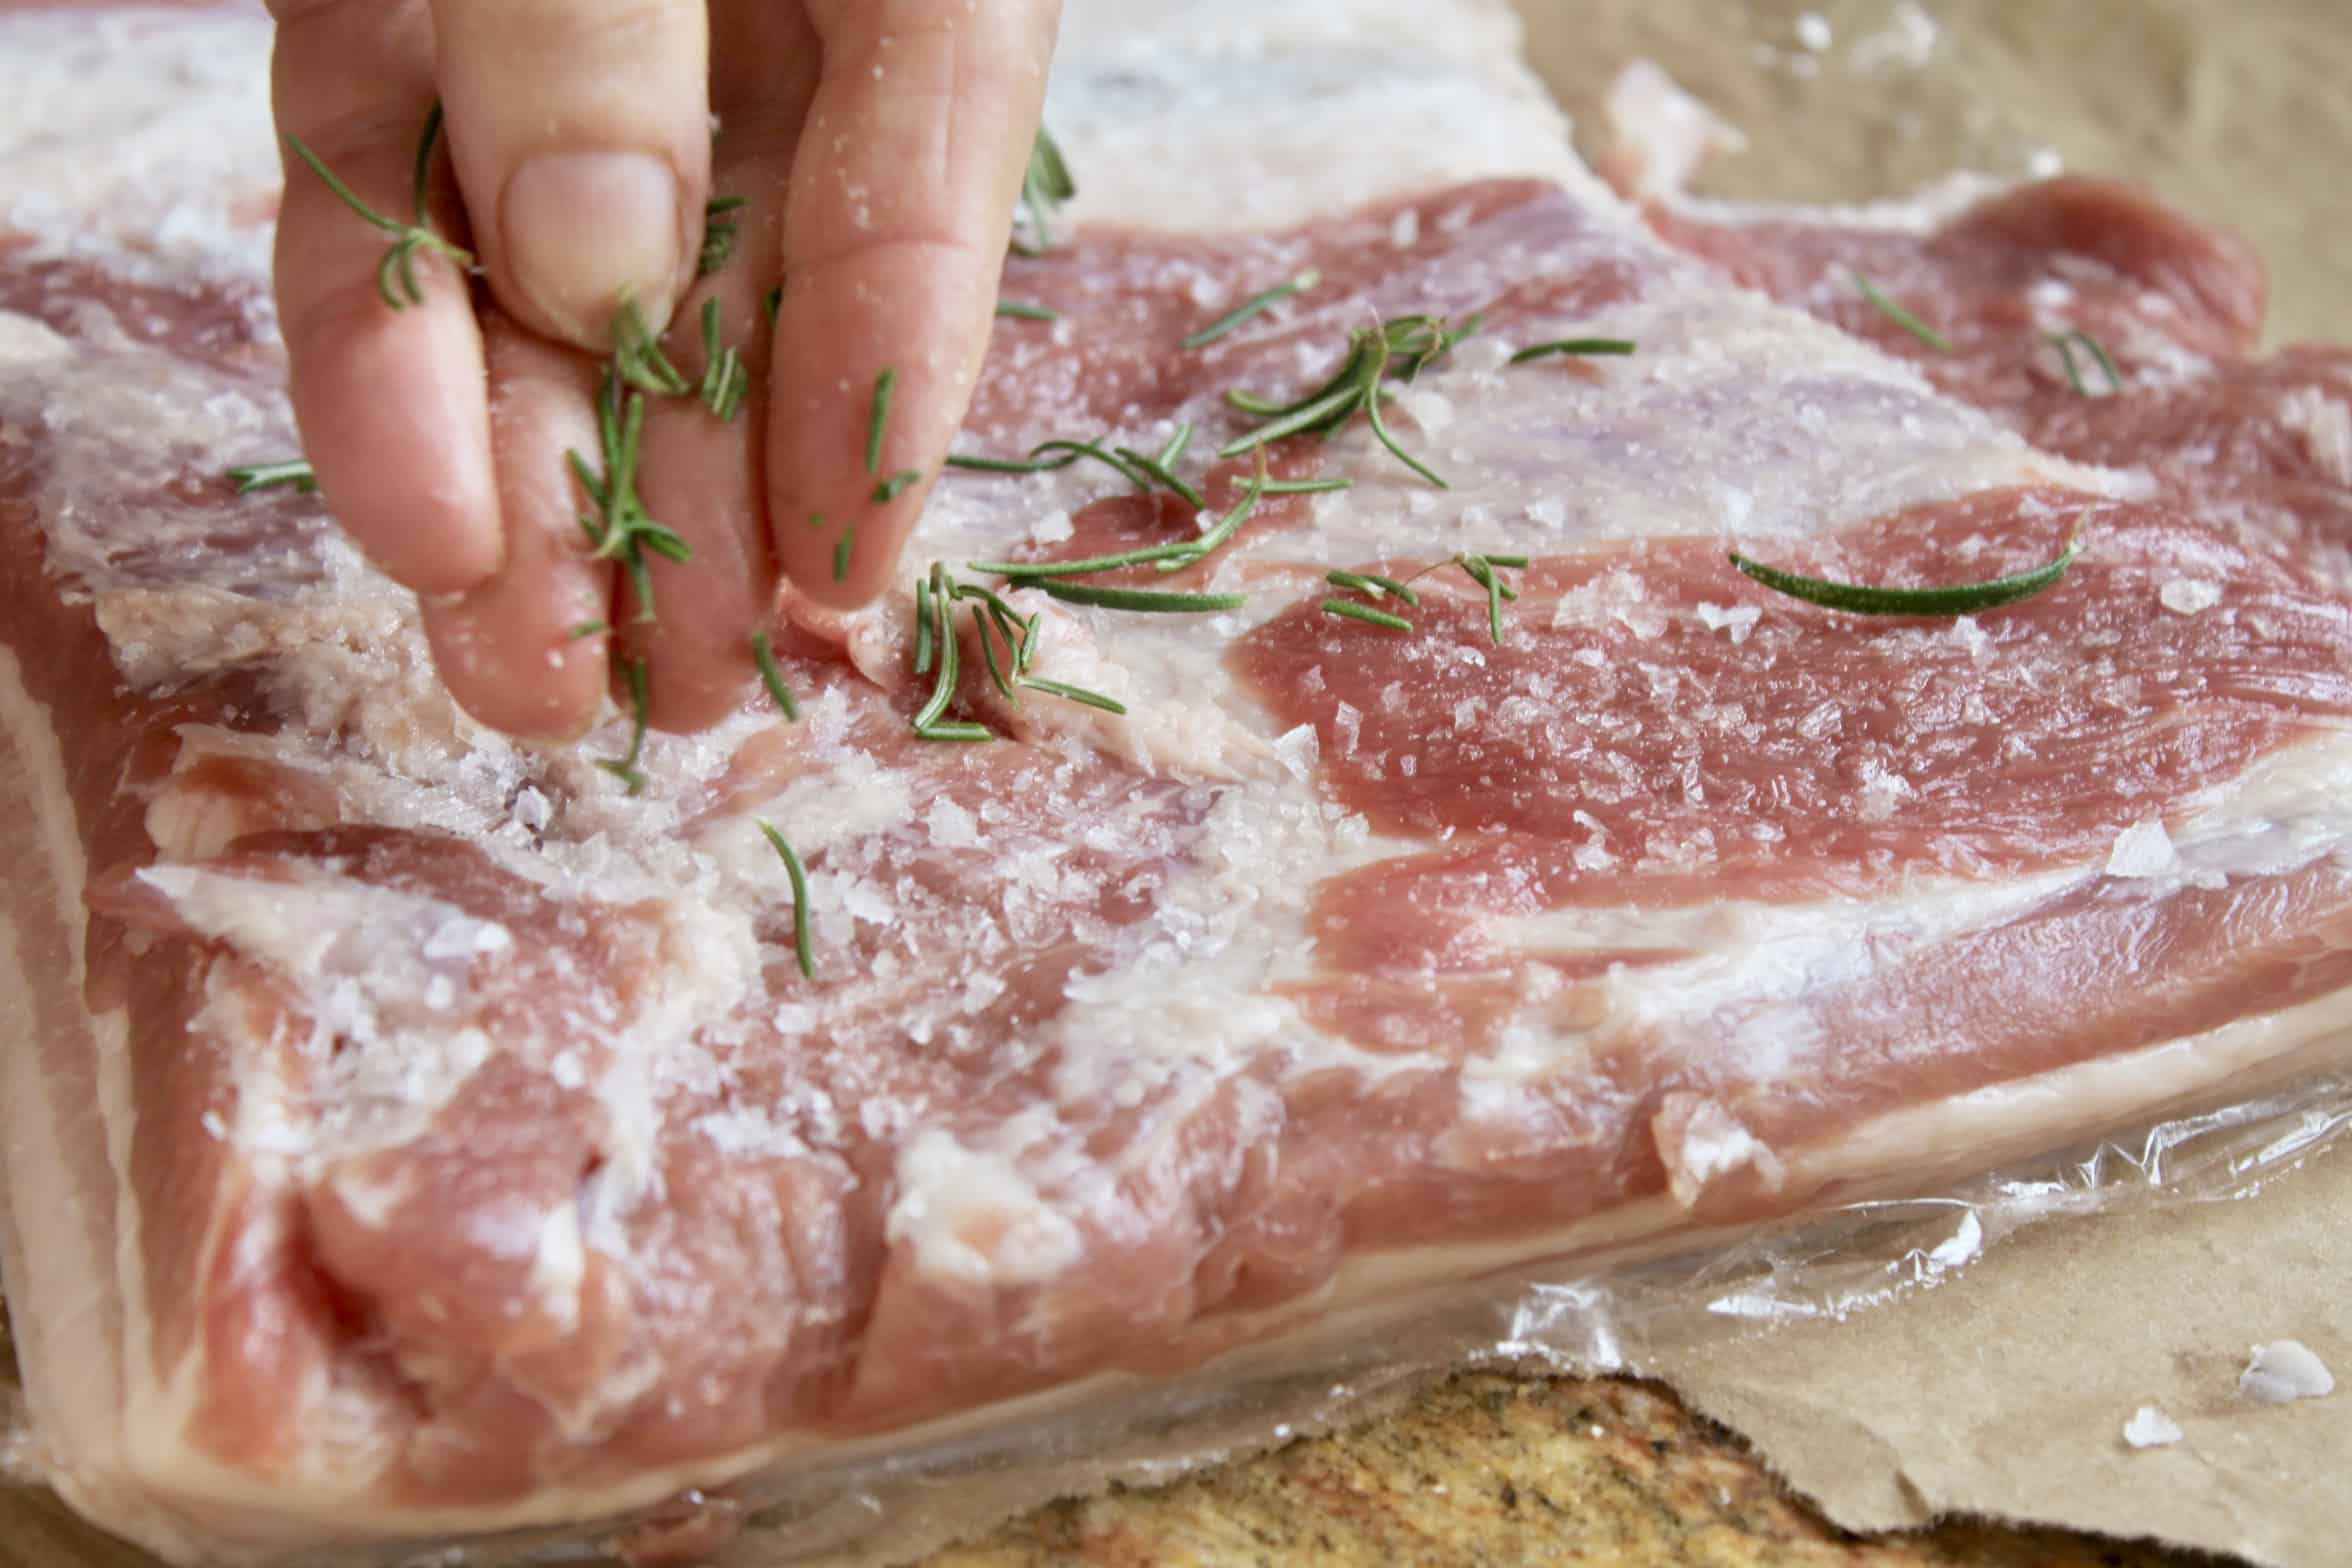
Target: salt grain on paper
[
  {"x": 2150, "y": 1427},
  {"x": 2284, "y": 1371}
]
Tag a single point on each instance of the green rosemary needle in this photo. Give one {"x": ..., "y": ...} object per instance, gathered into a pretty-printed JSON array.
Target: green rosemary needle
[
  {"x": 1355, "y": 388},
  {"x": 1365, "y": 612},
  {"x": 1159, "y": 472},
  {"x": 1026, "y": 311},
  {"x": 1304, "y": 486},
  {"x": 1263, "y": 300},
  {"x": 922, "y": 625},
  {"x": 1141, "y": 598},
  {"x": 293, "y": 471},
  {"x": 718, "y": 233},
  {"x": 800, "y": 899},
  {"x": 2064, "y": 343},
  {"x": 638, "y": 358},
  {"x": 841, "y": 549},
  {"x": 1573, "y": 346},
  {"x": 723, "y": 377},
  {"x": 1373, "y": 584},
  {"x": 619, "y": 529},
  {"x": 878, "y": 420},
  {"x": 1007, "y": 465},
  {"x": 585, "y": 629},
  {"x": 892, "y": 488},
  {"x": 1955, "y": 599},
  {"x": 1175, "y": 555},
  {"x": 1044, "y": 187},
  {"x": 954, "y": 729},
  {"x": 1903, "y": 318},
  {"x": 1062, "y": 689},
  {"x": 399, "y": 261},
  {"x": 624, "y": 767},
  {"x": 772, "y": 677}
]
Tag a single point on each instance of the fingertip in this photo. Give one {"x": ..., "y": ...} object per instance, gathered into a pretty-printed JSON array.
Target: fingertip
[{"x": 585, "y": 229}]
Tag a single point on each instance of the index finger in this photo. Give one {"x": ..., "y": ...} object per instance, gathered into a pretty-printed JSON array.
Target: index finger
[{"x": 901, "y": 202}]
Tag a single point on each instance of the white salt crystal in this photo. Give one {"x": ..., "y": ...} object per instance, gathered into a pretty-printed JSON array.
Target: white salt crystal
[
  {"x": 2188, "y": 595},
  {"x": 1405, "y": 229},
  {"x": 1813, "y": 31},
  {"x": 951, "y": 825},
  {"x": 2142, "y": 850},
  {"x": 1296, "y": 750},
  {"x": 2283, "y": 1371},
  {"x": 2150, "y": 1427},
  {"x": 1738, "y": 619},
  {"x": 1052, "y": 528}
]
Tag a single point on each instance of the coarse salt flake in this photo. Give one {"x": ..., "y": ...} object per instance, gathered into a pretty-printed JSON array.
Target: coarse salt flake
[
  {"x": 2188, "y": 595},
  {"x": 2284, "y": 1371},
  {"x": 2150, "y": 1427}
]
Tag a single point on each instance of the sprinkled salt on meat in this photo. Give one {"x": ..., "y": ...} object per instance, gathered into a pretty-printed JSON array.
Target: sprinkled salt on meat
[{"x": 452, "y": 1141}]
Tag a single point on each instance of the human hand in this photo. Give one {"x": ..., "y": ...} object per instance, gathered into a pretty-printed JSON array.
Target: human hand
[{"x": 878, "y": 145}]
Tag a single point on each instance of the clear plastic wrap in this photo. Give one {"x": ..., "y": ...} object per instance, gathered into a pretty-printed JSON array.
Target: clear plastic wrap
[{"x": 1599, "y": 1313}]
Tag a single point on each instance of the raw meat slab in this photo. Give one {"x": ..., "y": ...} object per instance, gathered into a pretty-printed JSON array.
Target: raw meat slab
[{"x": 409, "y": 1134}]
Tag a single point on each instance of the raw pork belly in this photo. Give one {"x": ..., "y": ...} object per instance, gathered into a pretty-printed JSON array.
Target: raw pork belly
[{"x": 410, "y": 1134}]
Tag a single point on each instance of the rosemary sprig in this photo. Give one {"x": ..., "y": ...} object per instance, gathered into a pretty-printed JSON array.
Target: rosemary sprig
[
  {"x": 1364, "y": 612},
  {"x": 294, "y": 471},
  {"x": 1044, "y": 188},
  {"x": 1903, "y": 318},
  {"x": 1173, "y": 556},
  {"x": 724, "y": 379},
  {"x": 878, "y": 420},
  {"x": 1955, "y": 599},
  {"x": 624, "y": 767},
  {"x": 890, "y": 489},
  {"x": 772, "y": 677},
  {"x": 407, "y": 238},
  {"x": 1482, "y": 571},
  {"x": 620, "y": 529},
  {"x": 1026, "y": 311},
  {"x": 2064, "y": 343},
  {"x": 718, "y": 233},
  {"x": 1264, "y": 299},
  {"x": 638, "y": 358},
  {"x": 800, "y": 899},
  {"x": 1355, "y": 388},
  {"x": 1573, "y": 346},
  {"x": 1143, "y": 599}
]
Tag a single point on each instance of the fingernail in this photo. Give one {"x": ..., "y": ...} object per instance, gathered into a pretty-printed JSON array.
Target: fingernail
[{"x": 583, "y": 229}]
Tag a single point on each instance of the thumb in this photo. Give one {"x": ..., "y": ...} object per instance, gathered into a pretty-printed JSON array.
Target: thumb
[{"x": 581, "y": 138}]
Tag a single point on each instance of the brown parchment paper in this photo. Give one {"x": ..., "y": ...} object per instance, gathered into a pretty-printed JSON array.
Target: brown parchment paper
[
  {"x": 2005, "y": 1390},
  {"x": 2002, "y": 1390}
]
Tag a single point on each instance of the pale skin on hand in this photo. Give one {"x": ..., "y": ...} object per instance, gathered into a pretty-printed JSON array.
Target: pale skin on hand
[{"x": 878, "y": 146}]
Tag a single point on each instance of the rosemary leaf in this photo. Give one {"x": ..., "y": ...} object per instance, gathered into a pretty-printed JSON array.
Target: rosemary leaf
[
  {"x": 1573, "y": 346},
  {"x": 638, "y": 356},
  {"x": 878, "y": 422},
  {"x": 892, "y": 488},
  {"x": 1009, "y": 465},
  {"x": 399, "y": 259},
  {"x": 1903, "y": 318},
  {"x": 1304, "y": 486},
  {"x": 800, "y": 899},
  {"x": 1225, "y": 528},
  {"x": 1141, "y": 598},
  {"x": 294, "y": 471},
  {"x": 718, "y": 233},
  {"x": 1955, "y": 599},
  {"x": 1173, "y": 452},
  {"x": 1027, "y": 312},
  {"x": 1092, "y": 699},
  {"x": 624, "y": 767},
  {"x": 922, "y": 626},
  {"x": 954, "y": 729},
  {"x": 841, "y": 550},
  {"x": 2064, "y": 343},
  {"x": 1364, "y": 612},
  {"x": 1373, "y": 584},
  {"x": 773, "y": 677},
  {"x": 1162, "y": 475},
  {"x": 1263, "y": 300},
  {"x": 1044, "y": 187}
]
